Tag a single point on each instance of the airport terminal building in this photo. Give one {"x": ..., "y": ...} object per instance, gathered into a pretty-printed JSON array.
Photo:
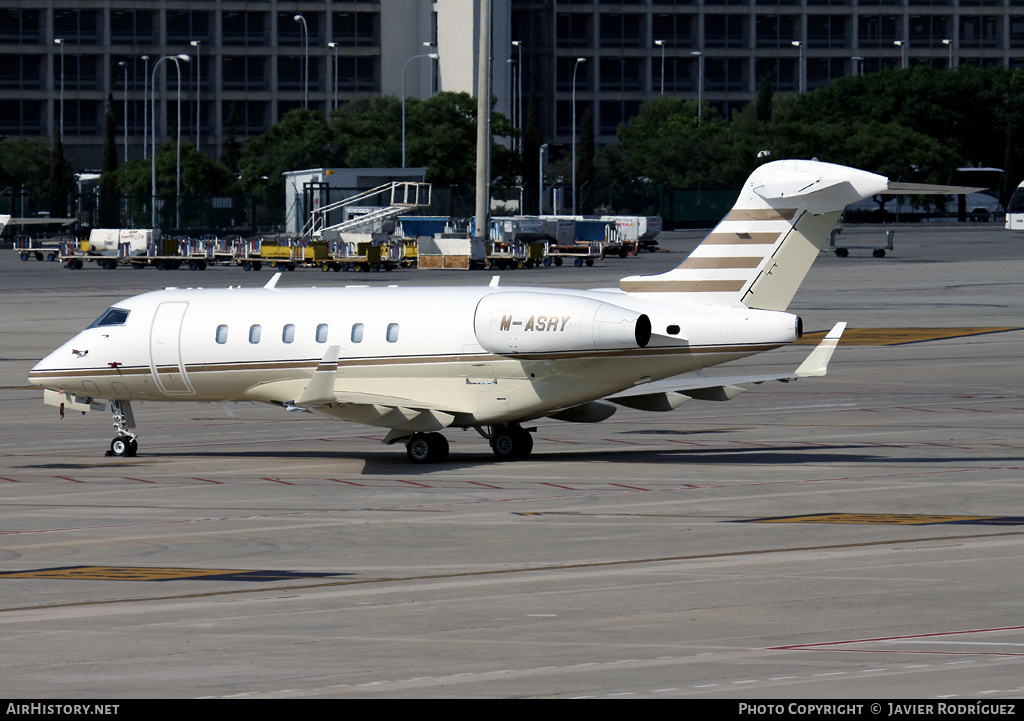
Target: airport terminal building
[{"x": 251, "y": 62}]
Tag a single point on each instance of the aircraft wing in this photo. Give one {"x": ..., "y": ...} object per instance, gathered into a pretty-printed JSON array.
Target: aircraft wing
[{"x": 671, "y": 393}]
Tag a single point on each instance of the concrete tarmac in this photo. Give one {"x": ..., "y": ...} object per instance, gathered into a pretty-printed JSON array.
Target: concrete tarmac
[{"x": 857, "y": 536}]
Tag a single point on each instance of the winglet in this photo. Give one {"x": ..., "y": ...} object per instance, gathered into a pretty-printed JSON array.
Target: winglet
[
  {"x": 320, "y": 388},
  {"x": 817, "y": 362}
]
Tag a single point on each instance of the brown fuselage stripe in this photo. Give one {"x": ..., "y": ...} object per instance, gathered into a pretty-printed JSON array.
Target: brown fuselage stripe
[
  {"x": 683, "y": 286},
  {"x": 311, "y": 364},
  {"x": 708, "y": 263},
  {"x": 763, "y": 214},
  {"x": 741, "y": 239}
]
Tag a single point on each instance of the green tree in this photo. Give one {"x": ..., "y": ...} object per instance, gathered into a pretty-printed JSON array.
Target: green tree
[
  {"x": 300, "y": 140},
  {"x": 665, "y": 143},
  {"x": 200, "y": 174}
]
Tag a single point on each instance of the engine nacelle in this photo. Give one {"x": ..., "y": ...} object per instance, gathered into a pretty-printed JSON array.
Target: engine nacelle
[{"x": 516, "y": 322}]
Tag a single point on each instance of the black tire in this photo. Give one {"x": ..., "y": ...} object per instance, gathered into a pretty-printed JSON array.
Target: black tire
[
  {"x": 418, "y": 449},
  {"x": 511, "y": 442},
  {"x": 439, "y": 447},
  {"x": 120, "y": 446},
  {"x": 842, "y": 252}
]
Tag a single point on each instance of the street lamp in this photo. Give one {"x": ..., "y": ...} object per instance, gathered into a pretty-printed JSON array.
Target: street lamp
[
  {"x": 123, "y": 64},
  {"x": 800, "y": 65},
  {"x": 518, "y": 45},
  {"x": 700, "y": 86},
  {"x": 145, "y": 106},
  {"x": 195, "y": 44},
  {"x": 903, "y": 52},
  {"x": 575, "y": 67},
  {"x": 949, "y": 44},
  {"x": 335, "y": 47},
  {"x": 305, "y": 72},
  {"x": 432, "y": 56},
  {"x": 156, "y": 66},
  {"x": 661, "y": 44},
  {"x": 540, "y": 183},
  {"x": 60, "y": 42}
]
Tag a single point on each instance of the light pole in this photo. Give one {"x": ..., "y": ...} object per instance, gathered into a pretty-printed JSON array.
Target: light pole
[
  {"x": 949, "y": 44},
  {"x": 512, "y": 98},
  {"x": 857, "y": 64},
  {"x": 432, "y": 56},
  {"x": 903, "y": 52},
  {"x": 305, "y": 72},
  {"x": 540, "y": 183},
  {"x": 661, "y": 44},
  {"x": 60, "y": 42},
  {"x": 575, "y": 67},
  {"x": 700, "y": 86},
  {"x": 800, "y": 65},
  {"x": 156, "y": 66},
  {"x": 195, "y": 44},
  {"x": 123, "y": 64},
  {"x": 518, "y": 45},
  {"x": 145, "y": 106},
  {"x": 335, "y": 47}
]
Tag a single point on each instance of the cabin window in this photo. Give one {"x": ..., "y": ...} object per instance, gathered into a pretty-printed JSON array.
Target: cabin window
[
  {"x": 321, "y": 333},
  {"x": 288, "y": 334},
  {"x": 357, "y": 333},
  {"x": 222, "y": 334},
  {"x": 113, "y": 316},
  {"x": 392, "y": 332},
  {"x": 254, "y": 333}
]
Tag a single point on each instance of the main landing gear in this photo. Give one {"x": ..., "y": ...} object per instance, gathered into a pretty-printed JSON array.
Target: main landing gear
[
  {"x": 508, "y": 441},
  {"x": 126, "y": 443},
  {"x": 427, "y": 448}
]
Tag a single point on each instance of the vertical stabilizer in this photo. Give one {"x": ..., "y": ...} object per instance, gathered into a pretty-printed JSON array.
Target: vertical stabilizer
[{"x": 761, "y": 251}]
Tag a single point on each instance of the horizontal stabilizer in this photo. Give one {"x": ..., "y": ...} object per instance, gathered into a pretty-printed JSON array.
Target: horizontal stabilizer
[
  {"x": 655, "y": 396},
  {"x": 924, "y": 189},
  {"x": 817, "y": 362}
]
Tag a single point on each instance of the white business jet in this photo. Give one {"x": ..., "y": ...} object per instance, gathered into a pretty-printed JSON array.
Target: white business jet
[{"x": 419, "y": 360}]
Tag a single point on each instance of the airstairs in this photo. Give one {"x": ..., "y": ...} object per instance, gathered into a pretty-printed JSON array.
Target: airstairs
[{"x": 400, "y": 196}]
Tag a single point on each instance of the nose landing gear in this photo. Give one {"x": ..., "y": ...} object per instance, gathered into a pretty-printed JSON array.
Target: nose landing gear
[{"x": 126, "y": 444}]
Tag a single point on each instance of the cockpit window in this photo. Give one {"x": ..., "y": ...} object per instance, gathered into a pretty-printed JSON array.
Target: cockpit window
[{"x": 113, "y": 316}]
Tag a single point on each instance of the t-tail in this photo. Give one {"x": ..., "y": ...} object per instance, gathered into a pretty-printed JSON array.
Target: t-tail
[{"x": 758, "y": 255}]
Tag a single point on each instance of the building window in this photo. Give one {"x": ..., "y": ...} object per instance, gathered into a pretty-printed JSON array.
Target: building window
[{"x": 357, "y": 29}]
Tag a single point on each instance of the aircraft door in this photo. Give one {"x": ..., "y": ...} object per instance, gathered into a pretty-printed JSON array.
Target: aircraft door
[{"x": 165, "y": 349}]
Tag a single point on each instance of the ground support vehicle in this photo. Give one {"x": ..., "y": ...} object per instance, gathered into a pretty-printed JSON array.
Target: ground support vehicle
[{"x": 579, "y": 253}]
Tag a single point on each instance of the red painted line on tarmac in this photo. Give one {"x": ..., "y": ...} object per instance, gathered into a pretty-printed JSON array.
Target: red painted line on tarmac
[
  {"x": 632, "y": 488},
  {"x": 73, "y": 480},
  {"x": 414, "y": 483},
  {"x": 9, "y": 480},
  {"x": 207, "y": 480},
  {"x": 277, "y": 480},
  {"x": 140, "y": 480},
  {"x": 351, "y": 483},
  {"x": 485, "y": 485},
  {"x": 616, "y": 440},
  {"x": 825, "y": 645},
  {"x": 555, "y": 485}
]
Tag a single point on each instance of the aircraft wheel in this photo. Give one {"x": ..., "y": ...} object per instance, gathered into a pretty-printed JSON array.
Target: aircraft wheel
[
  {"x": 427, "y": 448},
  {"x": 511, "y": 442},
  {"x": 124, "y": 446}
]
